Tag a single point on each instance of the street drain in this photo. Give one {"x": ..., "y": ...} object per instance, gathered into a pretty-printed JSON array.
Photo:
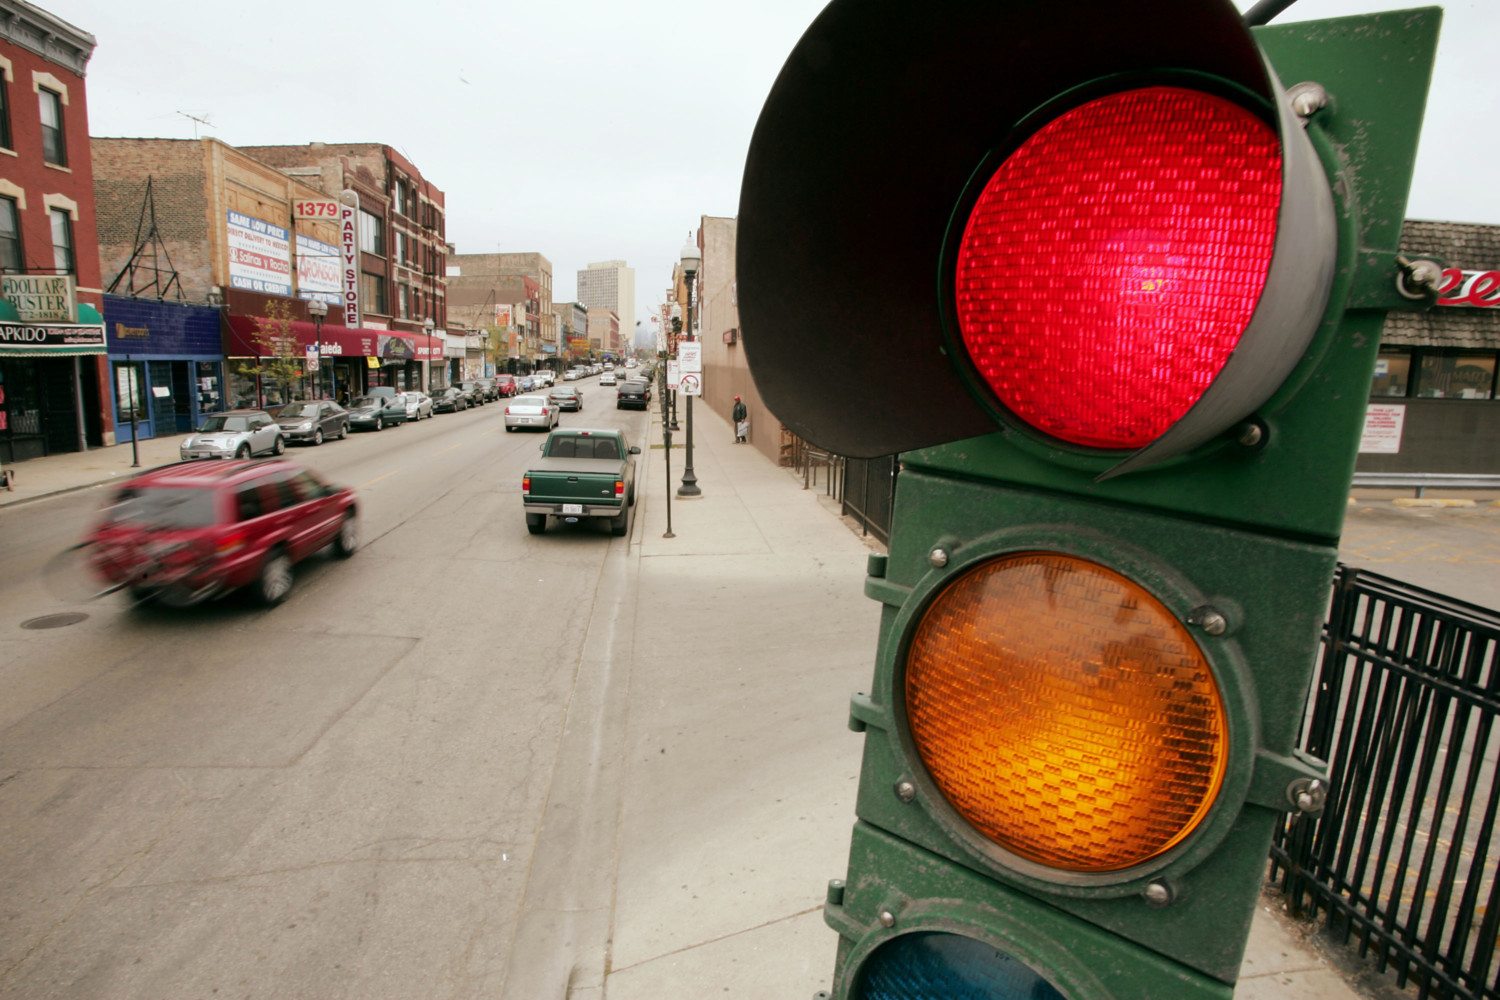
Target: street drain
[{"x": 55, "y": 621}]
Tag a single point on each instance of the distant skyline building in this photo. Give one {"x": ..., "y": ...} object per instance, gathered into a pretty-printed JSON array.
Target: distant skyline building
[{"x": 610, "y": 284}]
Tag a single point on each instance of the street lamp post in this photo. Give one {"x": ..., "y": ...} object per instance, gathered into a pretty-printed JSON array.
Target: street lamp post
[
  {"x": 427, "y": 327},
  {"x": 691, "y": 258},
  {"x": 317, "y": 308},
  {"x": 673, "y": 338}
]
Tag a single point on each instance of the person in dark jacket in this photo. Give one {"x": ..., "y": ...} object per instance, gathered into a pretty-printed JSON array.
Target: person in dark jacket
[{"x": 741, "y": 417}]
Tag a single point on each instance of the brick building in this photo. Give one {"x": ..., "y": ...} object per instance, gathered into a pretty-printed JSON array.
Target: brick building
[
  {"x": 53, "y": 376},
  {"x": 477, "y": 282},
  {"x": 572, "y": 320},
  {"x": 604, "y": 333}
]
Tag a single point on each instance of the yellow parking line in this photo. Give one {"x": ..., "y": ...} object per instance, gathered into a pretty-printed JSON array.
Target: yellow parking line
[{"x": 378, "y": 479}]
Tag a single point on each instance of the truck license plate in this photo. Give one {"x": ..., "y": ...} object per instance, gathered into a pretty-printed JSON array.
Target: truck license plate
[{"x": 572, "y": 508}]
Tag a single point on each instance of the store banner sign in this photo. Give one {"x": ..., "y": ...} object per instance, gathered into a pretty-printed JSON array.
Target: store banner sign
[
  {"x": 349, "y": 258},
  {"x": 51, "y": 338},
  {"x": 260, "y": 258},
  {"x": 318, "y": 271},
  {"x": 40, "y": 297}
]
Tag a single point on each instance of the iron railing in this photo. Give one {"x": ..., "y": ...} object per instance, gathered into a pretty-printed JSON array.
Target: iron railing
[
  {"x": 1402, "y": 858},
  {"x": 864, "y": 487}
]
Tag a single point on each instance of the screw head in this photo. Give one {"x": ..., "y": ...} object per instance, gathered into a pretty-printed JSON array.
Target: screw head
[
  {"x": 1210, "y": 620},
  {"x": 887, "y": 918},
  {"x": 938, "y": 557},
  {"x": 1251, "y": 435},
  {"x": 1309, "y": 795},
  {"x": 905, "y": 790},
  {"x": 1158, "y": 894}
]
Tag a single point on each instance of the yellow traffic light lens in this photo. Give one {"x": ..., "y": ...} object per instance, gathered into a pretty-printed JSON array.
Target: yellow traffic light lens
[{"x": 1065, "y": 713}]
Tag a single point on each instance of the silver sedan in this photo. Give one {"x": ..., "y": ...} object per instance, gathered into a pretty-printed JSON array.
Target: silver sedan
[
  {"x": 418, "y": 405},
  {"x": 531, "y": 411}
]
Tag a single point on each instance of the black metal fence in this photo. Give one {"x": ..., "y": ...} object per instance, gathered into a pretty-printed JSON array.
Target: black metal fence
[
  {"x": 864, "y": 487},
  {"x": 1403, "y": 858}
]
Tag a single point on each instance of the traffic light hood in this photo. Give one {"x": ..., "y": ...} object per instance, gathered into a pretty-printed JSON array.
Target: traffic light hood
[{"x": 864, "y": 166}]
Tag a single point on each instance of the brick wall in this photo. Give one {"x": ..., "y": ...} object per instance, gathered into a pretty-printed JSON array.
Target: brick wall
[{"x": 179, "y": 189}]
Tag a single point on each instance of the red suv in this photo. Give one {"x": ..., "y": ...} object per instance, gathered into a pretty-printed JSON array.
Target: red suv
[
  {"x": 185, "y": 533},
  {"x": 506, "y": 385}
]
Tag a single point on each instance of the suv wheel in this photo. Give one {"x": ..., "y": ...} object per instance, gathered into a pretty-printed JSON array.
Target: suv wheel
[
  {"x": 275, "y": 579},
  {"x": 347, "y": 539}
]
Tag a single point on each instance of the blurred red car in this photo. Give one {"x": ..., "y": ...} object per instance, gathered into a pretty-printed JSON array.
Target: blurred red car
[
  {"x": 506, "y": 385},
  {"x": 185, "y": 533}
]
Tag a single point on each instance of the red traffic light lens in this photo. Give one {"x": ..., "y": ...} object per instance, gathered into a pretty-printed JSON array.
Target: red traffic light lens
[{"x": 1113, "y": 261}]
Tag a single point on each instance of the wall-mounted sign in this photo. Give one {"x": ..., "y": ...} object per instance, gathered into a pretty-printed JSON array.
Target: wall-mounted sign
[
  {"x": 40, "y": 297},
  {"x": 326, "y": 209},
  {"x": 1469, "y": 288},
  {"x": 123, "y": 332},
  {"x": 1382, "y": 435},
  {"x": 349, "y": 259},
  {"x": 51, "y": 338},
  {"x": 260, "y": 258},
  {"x": 318, "y": 271}
]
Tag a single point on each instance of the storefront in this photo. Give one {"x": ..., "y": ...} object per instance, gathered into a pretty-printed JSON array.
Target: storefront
[
  {"x": 1435, "y": 399},
  {"x": 166, "y": 365},
  {"x": 453, "y": 359},
  {"x": 49, "y": 388},
  {"x": 273, "y": 363}
]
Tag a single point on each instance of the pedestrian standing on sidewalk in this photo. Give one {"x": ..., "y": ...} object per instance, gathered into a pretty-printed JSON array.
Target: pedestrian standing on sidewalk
[{"x": 741, "y": 418}]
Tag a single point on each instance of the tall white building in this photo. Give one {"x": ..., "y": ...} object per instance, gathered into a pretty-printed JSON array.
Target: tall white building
[{"x": 609, "y": 284}]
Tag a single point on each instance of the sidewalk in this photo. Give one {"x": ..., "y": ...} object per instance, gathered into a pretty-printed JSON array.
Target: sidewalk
[
  {"x": 753, "y": 617},
  {"x": 719, "y": 888}
]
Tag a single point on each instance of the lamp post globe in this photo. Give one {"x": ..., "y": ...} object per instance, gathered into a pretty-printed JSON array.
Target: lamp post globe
[{"x": 691, "y": 259}]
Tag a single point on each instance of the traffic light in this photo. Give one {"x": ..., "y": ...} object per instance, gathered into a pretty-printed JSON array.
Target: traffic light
[{"x": 1132, "y": 288}]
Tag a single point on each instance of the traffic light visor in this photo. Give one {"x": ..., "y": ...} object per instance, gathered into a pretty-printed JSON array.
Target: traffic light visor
[
  {"x": 931, "y": 964},
  {"x": 1114, "y": 259},
  {"x": 1065, "y": 713}
]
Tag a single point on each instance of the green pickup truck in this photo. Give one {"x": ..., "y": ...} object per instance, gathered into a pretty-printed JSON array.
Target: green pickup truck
[{"x": 581, "y": 474}]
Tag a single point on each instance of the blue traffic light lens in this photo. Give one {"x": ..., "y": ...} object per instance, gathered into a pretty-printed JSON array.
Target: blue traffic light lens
[{"x": 931, "y": 965}]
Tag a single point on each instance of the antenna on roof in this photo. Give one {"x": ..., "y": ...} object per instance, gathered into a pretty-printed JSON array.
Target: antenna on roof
[{"x": 201, "y": 118}]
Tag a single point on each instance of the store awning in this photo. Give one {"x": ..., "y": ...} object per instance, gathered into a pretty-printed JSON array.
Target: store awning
[
  {"x": 251, "y": 336},
  {"x": 50, "y": 340}
]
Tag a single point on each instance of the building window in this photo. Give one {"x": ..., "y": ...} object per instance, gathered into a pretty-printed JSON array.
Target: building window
[
  {"x": 403, "y": 248},
  {"x": 10, "y": 237},
  {"x": 62, "y": 241},
  {"x": 371, "y": 233},
  {"x": 5, "y": 139},
  {"x": 1455, "y": 375},
  {"x": 1392, "y": 374},
  {"x": 403, "y": 199},
  {"x": 372, "y": 292},
  {"x": 54, "y": 146},
  {"x": 403, "y": 300}
]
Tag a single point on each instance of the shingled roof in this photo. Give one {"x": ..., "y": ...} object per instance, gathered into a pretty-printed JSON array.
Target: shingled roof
[{"x": 1466, "y": 245}]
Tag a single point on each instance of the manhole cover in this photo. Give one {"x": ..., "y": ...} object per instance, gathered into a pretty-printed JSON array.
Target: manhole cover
[{"x": 55, "y": 621}]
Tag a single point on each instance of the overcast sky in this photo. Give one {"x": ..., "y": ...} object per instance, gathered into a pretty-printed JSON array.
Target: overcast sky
[{"x": 591, "y": 129}]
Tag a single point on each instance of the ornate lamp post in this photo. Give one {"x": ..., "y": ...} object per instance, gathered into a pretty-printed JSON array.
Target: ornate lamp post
[
  {"x": 691, "y": 258},
  {"x": 317, "y": 309},
  {"x": 672, "y": 340}
]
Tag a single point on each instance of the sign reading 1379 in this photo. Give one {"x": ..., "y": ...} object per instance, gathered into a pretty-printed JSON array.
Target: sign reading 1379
[{"x": 316, "y": 208}]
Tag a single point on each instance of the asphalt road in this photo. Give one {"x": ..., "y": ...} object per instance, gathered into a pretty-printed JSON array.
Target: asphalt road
[{"x": 235, "y": 801}]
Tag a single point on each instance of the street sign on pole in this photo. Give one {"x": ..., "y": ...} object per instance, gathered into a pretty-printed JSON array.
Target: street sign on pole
[
  {"x": 674, "y": 374},
  {"x": 692, "y": 384},
  {"x": 690, "y": 356}
]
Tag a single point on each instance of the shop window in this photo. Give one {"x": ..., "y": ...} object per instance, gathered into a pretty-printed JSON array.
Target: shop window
[
  {"x": 210, "y": 391},
  {"x": 11, "y": 259},
  {"x": 1392, "y": 374},
  {"x": 371, "y": 233},
  {"x": 54, "y": 143},
  {"x": 1456, "y": 375},
  {"x": 63, "y": 258}
]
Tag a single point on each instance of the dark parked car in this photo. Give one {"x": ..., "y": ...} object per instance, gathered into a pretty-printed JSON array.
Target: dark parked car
[
  {"x": 185, "y": 533},
  {"x": 633, "y": 394},
  {"x": 312, "y": 423},
  {"x": 375, "y": 413},
  {"x": 476, "y": 393},
  {"x": 449, "y": 400}
]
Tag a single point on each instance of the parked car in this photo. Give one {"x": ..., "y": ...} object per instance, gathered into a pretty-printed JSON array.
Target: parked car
[
  {"x": 477, "y": 392},
  {"x": 633, "y": 394},
  {"x": 531, "y": 411},
  {"x": 312, "y": 423},
  {"x": 571, "y": 375},
  {"x": 543, "y": 377},
  {"x": 234, "y": 434},
  {"x": 418, "y": 405},
  {"x": 566, "y": 397},
  {"x": 608, "y": 378},
  {"x": 450, "y": 400},
  {"x": 582, "y": 474},
  {"x": 183, "y": 534},
  {"x": 506, "y": 385},
  {"x": 374, "y": 413}
]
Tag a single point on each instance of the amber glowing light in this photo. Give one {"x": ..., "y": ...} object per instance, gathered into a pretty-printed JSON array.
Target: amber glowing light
[{"x": 1065, "y": 713}]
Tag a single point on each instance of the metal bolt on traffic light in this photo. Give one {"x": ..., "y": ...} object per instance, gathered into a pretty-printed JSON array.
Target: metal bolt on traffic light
[{"x": 1141, "y": 284}]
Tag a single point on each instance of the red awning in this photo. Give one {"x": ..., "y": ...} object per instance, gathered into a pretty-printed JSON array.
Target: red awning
[{"x": 246, "y": 337}]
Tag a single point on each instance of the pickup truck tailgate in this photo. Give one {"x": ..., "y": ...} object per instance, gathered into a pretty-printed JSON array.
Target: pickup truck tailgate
[{"x": 573, "y": 480}]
